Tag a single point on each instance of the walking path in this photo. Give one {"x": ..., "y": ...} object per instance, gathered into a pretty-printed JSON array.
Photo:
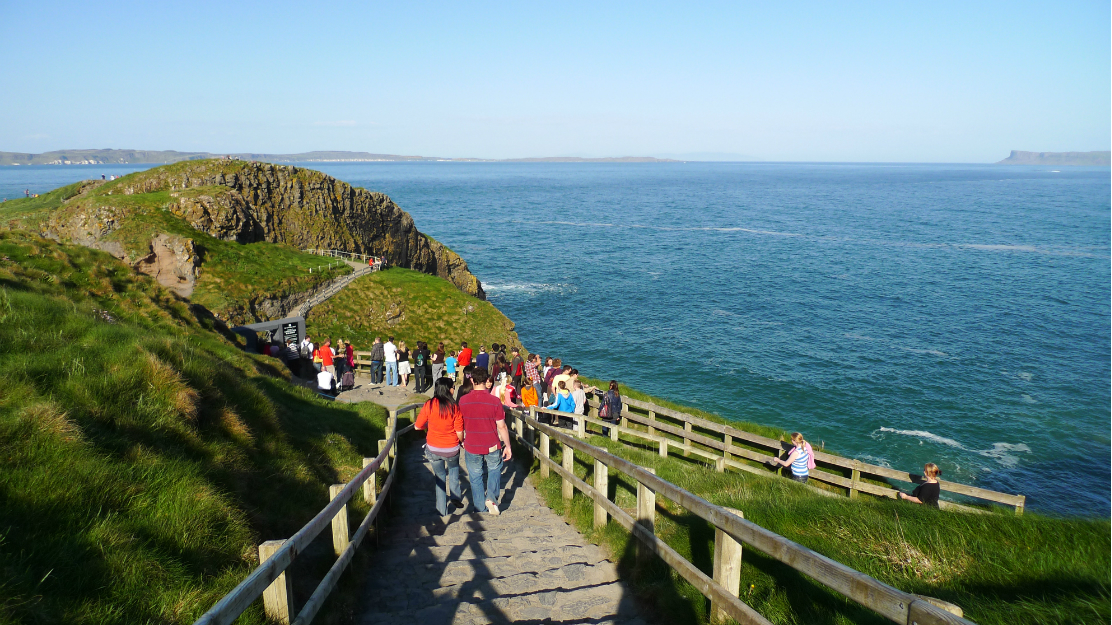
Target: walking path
[
  {"x": 524, "y": 566},
  {"x": 337, "y": 285}
]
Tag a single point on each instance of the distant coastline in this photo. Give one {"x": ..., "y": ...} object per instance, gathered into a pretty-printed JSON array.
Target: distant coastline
[
  {"x": 161, "y": 157},
  {"x": 1091, "y": 159}
]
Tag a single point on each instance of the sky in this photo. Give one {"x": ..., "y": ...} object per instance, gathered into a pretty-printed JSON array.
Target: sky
[{"x": 783, "y": 81}]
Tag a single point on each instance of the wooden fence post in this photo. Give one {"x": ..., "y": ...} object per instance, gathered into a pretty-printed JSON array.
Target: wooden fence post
[
  {"x": 728, "y": 442},
  {"x": 646, "y": 517},
  {"x": 602, "y": 485},
  {"x": 727, "y": 566},
  {"x": 370, "y": 487},
  {"x": 614, "y": 433},
  {"x": 567, "y": 488},
  {"x": 686, "y": 440},
  {"x": 278, "y": 596},
  {"x": 652, "y": 418},
  {"x": 625, "y": 416},
  {"x": 663, "y": 447},
  {"x": 340, "y": 533},
  {"x": 385, "y": 466},
  {"x": 581, "y": 427},
  {"x": 854, "y": 478},
  {"x": 545, "y": 471},
  {"x": 1019, "y": 506}
]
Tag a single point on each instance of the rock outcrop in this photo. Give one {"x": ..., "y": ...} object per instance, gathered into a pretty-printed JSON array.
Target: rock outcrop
[{"x": 248, "y": 202}]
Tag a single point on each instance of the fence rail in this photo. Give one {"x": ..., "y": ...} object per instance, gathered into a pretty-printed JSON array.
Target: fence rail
[
  {"x": 732, "y": 530},
  {"x": 376, "y": 261},
  {"x": 271, "y": 581},
  {"x": 726, "y": 446}
]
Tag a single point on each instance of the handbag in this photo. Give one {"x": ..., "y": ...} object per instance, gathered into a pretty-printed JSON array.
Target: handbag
[{"x": 604, "y": 409}]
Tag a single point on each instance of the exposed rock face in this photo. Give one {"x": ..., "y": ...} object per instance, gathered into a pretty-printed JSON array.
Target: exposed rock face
[
  {"x": 173, "y": 261},
  {"x": 304, "y": 209}
]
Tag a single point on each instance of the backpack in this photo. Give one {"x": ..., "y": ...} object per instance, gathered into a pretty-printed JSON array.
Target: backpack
[
  {"x": 305, "y": 352},
  {"x": 529, "y": 396}
]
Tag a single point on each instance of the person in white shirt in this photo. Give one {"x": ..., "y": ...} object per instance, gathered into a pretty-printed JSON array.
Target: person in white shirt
[
  {"x": 390, "y": 353},
  {"x": 305, "y": 354},
  {"x": 325, "y": 382}
]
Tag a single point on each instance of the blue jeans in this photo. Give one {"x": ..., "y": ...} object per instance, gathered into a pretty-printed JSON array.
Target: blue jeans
[
  {"x": 376, "y": 372},
  {"x": 492, "y": 462},
  {"x": 444, "y": 467},
  {"x": 392, "y": 373}
]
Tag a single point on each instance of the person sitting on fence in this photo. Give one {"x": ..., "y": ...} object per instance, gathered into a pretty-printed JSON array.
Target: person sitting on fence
[
  {"x": 801, "y": 459},
  {"x": 562, "y": 400},
  {"x": 927, "y": 492},
  {"x": 326, "y": 383},
  {"x": 442, "y": 416}
]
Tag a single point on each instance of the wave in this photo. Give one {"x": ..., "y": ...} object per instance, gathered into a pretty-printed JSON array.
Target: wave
[
  {"x": 531, "y": 289},
  {"x": 1003, "y": 453}
]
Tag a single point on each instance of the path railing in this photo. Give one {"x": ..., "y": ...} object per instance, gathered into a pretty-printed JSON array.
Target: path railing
[
  {"x": 731, "y": 531},
  {"x": 726, "y": 446},
  {"x": 376, "y": 261},
  {"x": 271, "y": 580}
]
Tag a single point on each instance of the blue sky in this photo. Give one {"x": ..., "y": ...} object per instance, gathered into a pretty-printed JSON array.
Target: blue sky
[{"x": 918, "y": 82}]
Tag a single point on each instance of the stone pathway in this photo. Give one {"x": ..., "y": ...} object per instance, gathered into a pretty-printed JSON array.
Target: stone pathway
[{"x": 524, "y": 566}]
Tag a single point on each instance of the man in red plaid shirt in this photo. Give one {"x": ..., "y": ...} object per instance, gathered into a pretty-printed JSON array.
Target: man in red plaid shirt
[{"x": 532, "y": 365}]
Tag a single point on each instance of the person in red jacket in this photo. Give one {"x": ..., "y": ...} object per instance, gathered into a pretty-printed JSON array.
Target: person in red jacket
[
  {"x": 464, "y": 358},
  {"x": 442, "y": 417}
]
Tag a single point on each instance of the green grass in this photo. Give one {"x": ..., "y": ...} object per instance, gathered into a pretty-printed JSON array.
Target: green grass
[
  {"x": 143, "y": 456},
  {"x": 410, "y": 306},
  {"x": 1001, "y": 569},
  {"x": 33, "y": 210}
]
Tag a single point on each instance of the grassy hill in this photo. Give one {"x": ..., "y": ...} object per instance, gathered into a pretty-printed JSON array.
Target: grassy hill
[
  {"x": 233, "y": 280},
  {"x": 410, "y": 306},
  {"x": 143, "y": 456},
  {"x": 1000, "y": 568}
]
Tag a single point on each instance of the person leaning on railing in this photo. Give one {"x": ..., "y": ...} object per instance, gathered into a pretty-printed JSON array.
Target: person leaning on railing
[
  {"x": 927, "y": 492},
  {"x": 801, "y": 459}
]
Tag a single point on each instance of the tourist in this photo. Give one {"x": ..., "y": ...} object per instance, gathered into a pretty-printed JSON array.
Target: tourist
[
  {"x": 612, "y": 401},
  {"x": 801, "y": 459},
  {"x": 450, "y": 366},
  {"x": 928, "y": 491},
  {"x": 547, "y": 366},
  {"x": 390, "y": 353},
  {"x": 486, "y": 442},
  {"x": 421, "y": 367},
  {"x": 564, "y": 376},
  {"x": 464, "y": 355},
  {"x": 377, "y": 358},
  {"x": 404, "y": 369},
  {"x": 517, "y": 367},
  {"x": 552, "y": 372},
  {"x": 326, "y": 383},
  {"x": 498, "y": 366},
  {"x": 579, "y": 395},
  {"x": 561, "y": 401},
  {"x": 533, "y": 375},
  {"x": 483, "y": 360},
  {"x": 442, "y": 416},
  {"x": 326, "y": 356},
  {"x": 465, "y": 387},
  {"x": 318, "y": 359},
  {"x": 505, "y": 392},
  {"x": 437, "y": 362},
  {"x": 349, "y": 355},
  {"x": 292, "y": 358},
  {"x": 305, "y": 355}
]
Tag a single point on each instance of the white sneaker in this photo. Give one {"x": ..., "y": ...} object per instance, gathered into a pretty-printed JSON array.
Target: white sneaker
[{"x": 492, "y": 508}]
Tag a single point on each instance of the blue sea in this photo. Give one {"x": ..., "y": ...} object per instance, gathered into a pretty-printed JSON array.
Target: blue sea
[{"x": 899, "y": 314}]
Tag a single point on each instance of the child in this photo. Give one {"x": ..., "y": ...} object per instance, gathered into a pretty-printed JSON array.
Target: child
[{"x": 450, "y": 365}]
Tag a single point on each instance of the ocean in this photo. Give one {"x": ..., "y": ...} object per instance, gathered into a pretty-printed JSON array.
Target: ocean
[{"x": 899, "y": 314}]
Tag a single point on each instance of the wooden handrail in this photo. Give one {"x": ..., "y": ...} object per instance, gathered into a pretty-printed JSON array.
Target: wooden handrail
[
  {"x": 228, "y": 608},
  {"x": 855, "y": 467},
  {"x": 894, "y": 604}
]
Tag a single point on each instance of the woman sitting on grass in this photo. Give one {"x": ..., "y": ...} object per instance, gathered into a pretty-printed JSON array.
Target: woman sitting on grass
[
  {"x": 442, "y": 417},
  {"x": 801, "y": 459},
  {"x": 927, "y": 492}
]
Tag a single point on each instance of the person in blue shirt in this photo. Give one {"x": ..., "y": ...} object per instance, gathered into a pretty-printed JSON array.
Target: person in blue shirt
[
  {"x": 450, "y": 365},
  {"x": 562, "y": 400}
]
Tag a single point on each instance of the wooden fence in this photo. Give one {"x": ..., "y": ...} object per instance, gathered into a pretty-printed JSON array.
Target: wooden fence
[
  {"x": 270, "y": 580},
  {"x": 726, "y": 446},
  {"x": 731, "y": 531}
]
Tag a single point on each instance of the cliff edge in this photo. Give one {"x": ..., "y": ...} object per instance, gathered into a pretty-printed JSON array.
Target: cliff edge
[{"x": 248, "y": 202}]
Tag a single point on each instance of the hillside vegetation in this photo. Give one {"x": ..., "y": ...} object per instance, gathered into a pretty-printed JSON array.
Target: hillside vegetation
[
  {"x": 1000, "y": 568},
  {"x": 143, "y": 456},
  {"x": 411, "y": 307}
]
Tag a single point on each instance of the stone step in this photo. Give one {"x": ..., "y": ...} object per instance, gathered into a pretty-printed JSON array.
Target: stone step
[{"x": 601, "y": 604}]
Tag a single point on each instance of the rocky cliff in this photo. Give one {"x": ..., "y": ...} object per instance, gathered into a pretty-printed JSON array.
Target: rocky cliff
[{"x": 249, "y": 202}]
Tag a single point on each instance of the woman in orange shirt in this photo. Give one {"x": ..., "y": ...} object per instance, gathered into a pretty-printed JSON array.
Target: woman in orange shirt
[{"x": 442, "y": 417}]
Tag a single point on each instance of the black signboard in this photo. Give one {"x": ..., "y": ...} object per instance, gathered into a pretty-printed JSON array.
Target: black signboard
[{"x": 289, "y": 333}]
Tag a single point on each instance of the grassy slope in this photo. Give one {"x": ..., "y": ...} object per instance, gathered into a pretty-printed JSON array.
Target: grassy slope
[
  {"x": 1000, "y": 568},
  {"x": 142, "y": 459},
  {"x": 409, "y": 306},
  {"x": 232, "y": 274}
]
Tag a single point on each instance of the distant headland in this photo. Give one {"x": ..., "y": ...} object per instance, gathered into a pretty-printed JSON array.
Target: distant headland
[
  {"x": 1058, "y": 158},
  {"x": 161, "y": 157}
]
